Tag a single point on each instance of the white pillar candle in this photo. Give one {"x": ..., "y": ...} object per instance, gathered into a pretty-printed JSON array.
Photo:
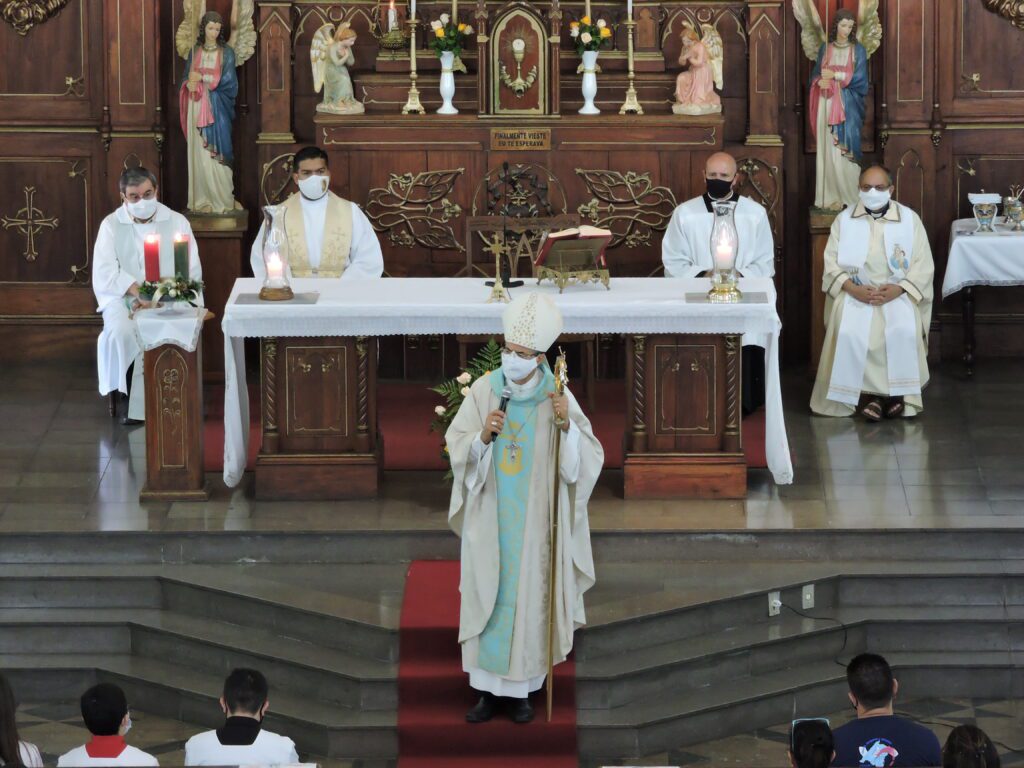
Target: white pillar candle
[
  {"x": 629, "y": 9},
  {"x": 275, "y": 268},
  {"x": 392, "y": 17},
  {"x": 412, "y": 9},
  {"x": 723, "y": 256}
]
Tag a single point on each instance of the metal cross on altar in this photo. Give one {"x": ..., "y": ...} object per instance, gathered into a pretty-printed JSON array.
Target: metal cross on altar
[{"x": 29, "y": 221}]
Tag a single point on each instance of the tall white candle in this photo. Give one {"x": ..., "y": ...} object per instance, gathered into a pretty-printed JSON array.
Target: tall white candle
[
  {"x": 586, "y": 10},
  {"x": 275, "y": 268},
  {"x": 412, "y": 9},
  {"x": 455, "y": 12},
  {"x": 629, "y": 9},
  {"x": 392, "y": 17},
  {"x": 723, "y": 256}
]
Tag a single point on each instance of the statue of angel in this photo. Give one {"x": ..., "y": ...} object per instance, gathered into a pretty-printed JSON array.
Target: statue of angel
[
  {"x": 838, "y": 91},
  {"x": 702, "y": 57},
  {"x": 331, "y": 55},
  {"x": 207, "y": 98}
]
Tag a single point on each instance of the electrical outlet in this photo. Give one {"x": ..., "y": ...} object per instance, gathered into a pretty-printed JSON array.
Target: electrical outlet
[
  {"x": 774, "y": 603},
  {"x": 807, "y": 596}
]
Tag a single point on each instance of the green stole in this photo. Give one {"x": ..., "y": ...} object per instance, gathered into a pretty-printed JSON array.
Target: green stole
[{"x": 513, "y": 490}]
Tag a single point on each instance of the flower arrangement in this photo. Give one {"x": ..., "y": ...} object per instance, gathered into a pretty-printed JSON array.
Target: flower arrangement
[
  {"x": 449, "y": 36},
  {"x": 455, "y": 390},
  {"x": 175, "y": 288},
  {"x": 589, "y": 35}
]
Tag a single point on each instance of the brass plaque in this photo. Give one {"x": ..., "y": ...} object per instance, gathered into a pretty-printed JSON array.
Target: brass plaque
[{"x": 520, "y": 139}]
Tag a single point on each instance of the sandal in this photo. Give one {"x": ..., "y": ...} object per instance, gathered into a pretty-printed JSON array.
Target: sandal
[
  {"x": 894, "y": 408},
  {"x": 872, "y": 410}
]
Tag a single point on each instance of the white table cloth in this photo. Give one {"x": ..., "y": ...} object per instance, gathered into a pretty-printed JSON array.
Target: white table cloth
[
  {"x": 398, "y": 306},
  {"x": 176, "y": 323},
  {"x": 984, "y": 258}
]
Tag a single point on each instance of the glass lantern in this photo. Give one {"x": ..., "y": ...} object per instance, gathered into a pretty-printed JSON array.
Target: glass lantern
[
  {"x": 724, "y": 247},
  {"x": 1013, "y": 209},
  {"x": 986, "y": 205},
  {"x": 275, "y": 256}
]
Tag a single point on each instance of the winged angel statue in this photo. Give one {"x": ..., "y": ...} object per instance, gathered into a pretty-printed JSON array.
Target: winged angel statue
[
  {"x": 838, "y": 91},
  {"x": 207, "y": 98},
  {"x": 331, "y": 55},
  {"x": 702, "y": 56}
]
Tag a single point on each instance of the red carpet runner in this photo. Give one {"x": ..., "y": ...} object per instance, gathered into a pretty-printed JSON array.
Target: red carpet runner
[{"x": 434, "y": 693}]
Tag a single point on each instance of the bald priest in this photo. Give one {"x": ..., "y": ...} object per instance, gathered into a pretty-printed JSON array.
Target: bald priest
[{"x": 501, "y": 507}]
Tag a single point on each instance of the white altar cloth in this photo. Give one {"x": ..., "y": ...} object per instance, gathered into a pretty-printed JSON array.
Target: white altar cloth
[
  {"x": 175, "y": 323},
  {"x": 396, "y": 306},
  {"x": 986, "y": 258}
]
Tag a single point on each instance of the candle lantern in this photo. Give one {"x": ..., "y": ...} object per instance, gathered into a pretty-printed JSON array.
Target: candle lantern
[
  {"x": 724, "y": 247},
  {"x": 275, "y": 256}
]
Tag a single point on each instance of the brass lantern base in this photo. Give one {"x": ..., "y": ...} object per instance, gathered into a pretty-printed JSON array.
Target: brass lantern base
[
  {"x": 276, "y": 294},
  {"x": 724, "y": 293}
]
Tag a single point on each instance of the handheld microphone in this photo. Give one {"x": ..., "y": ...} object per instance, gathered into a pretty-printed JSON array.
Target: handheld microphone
[{"x": 506, "y": 395}]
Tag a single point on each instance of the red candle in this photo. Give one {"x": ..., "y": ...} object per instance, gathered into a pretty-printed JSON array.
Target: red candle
[{"x": 151, "y": 252}]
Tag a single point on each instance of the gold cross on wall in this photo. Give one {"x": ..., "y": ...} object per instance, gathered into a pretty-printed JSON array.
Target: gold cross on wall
[{"x": 29, "y": 221}]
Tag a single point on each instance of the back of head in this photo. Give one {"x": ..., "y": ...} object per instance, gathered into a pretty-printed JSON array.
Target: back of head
[
  {"x": 811, "y": 744},
  {"x": 245, "y": 692},
  {"x": 10, "y": 753},
  {"x": 870, "y": 680},
  {"x": 969, "y": 747},
  {"x": 103, "y": 708}
]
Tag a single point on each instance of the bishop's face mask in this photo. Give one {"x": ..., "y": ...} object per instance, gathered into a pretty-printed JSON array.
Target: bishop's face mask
[
  {"x": 515, "y": 367},
  {"x": 719, "y": 189},
  {"x": 142, "y": 209},
  {"x": 314, "y": 187}
]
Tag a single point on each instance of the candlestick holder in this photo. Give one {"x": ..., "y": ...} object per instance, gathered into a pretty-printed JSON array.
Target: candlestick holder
[
  {"x": 632, "y": 103},
  {"x": 275, "y": 256},
  {"x": 413, "y": 104}
]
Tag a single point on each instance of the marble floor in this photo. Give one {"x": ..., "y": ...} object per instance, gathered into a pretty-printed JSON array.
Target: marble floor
[
  {"x": 65, "y": 465},
  {"x": 56, "y": 727}
]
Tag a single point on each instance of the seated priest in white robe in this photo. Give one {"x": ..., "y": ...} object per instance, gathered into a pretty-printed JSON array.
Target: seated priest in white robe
[
  {"x": 878, "y": 277},
  {"x": 328, "y": 236},
  {"x": 119, "y": 269},
  {"x": 501, "y": 507},
  {"x": 686, "y": 247}
]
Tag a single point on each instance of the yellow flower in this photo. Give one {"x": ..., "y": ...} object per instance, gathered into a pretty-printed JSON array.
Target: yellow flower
[
  {"x": 606, "y": 32},
  {"x": 573, "y": 24},
  {"x": 585, "y": 19},
  {"x": 439, "y": 32},
  {"x": 462, "y": 27}
]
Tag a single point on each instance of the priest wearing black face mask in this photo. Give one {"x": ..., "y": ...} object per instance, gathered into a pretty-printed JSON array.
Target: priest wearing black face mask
[{"x": 686, "y": 249}]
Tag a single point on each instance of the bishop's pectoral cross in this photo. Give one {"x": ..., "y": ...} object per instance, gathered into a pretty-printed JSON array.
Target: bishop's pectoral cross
[{"x": 29, "y": 221}]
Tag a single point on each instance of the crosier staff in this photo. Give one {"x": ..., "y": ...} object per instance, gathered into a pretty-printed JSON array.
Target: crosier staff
[{"x": 561, "y": 381}]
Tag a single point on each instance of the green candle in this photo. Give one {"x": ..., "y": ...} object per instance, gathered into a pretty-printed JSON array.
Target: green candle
[{"x": 181, "y": 256}]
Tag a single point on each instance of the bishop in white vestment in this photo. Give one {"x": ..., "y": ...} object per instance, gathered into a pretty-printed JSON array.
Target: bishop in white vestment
[
  {"x": 328, "y": 236},
  {"x": 686, "y": 247},
  {"x": 878, "y": 277},
  {"x": 501, "y": 507},
  {"x": 119, "y": 269}
]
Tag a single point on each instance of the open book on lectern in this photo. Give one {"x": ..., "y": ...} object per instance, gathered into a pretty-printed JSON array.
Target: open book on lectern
[{"x": 577, "y": 248}]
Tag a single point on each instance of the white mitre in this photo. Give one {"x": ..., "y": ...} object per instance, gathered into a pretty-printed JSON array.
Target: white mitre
[{"x": 532, "y": 321}]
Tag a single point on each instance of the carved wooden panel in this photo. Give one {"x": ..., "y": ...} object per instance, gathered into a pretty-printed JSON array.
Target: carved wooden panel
[
  {"x": 980, "y": 72},
  {"x": 315, "y": 381}
]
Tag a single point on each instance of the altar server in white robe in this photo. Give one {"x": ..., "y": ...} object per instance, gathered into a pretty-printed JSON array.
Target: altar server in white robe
[
  {"x": 686, "y": 247},
  {"x": 878, "y": 277},
  {"x": 501, "y": 507},
  {"x": 119, "y": 269},
  {"x": 328, "y": 236}
]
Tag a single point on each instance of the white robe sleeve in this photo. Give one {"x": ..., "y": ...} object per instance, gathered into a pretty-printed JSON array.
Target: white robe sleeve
[
  {"x": 569, "y": 455},
  {"x": 761, "y": 258},
  {"x": 109, "y": 283},
  {"x": 919, "y": 280},
  {"x": 478, "y": 465},
  {"x": 676, "y": 254},
  {"x": 833, "y": 277},
  {"x": 366, "y": 261}
]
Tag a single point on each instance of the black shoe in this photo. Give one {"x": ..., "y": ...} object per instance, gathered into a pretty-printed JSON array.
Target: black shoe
[
  {"x": 521, "y": 711},
  {"x": 129, "y": 422},
  {"x": 484, "y": 709}
]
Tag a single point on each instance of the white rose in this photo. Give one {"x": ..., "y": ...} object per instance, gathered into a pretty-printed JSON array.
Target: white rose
[
  {"x": 465, "y": 391},
  {"x": 468, "y": 30},
  {"x": 445, "y": 18},
  {"x": 172, "y": 293},
  {"x": 585, "y": 37},
  {"x": 436, "y": 25},
  {"x": 440, "y": 410},
  {"x": 601, "y": 23},
  {"x": 574, "y": 32},
  {"x": 464, "y": 377}
]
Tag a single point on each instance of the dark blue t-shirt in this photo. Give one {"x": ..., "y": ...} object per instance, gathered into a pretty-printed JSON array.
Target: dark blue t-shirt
[{"x": 885, "y": 741}]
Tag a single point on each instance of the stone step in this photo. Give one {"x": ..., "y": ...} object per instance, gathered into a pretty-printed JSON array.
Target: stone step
[
  {"x": 789, "y": 641},
  {"x": 190, "y": 695},
  {"x": 314, "y": 672},
  {"x": 677, "y": 718}
]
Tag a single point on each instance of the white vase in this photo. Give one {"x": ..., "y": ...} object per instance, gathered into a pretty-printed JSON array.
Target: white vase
[
  {"x": 447, "y": 84},
  {"x": 589, "y": 83}
]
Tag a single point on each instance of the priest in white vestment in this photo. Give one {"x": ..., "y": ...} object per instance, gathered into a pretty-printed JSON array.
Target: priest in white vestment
[
  {"x": 118, "y": 269},
  {"x": 686, "y": 247},
  {"x": 328, "y": 236},
  {"x": 503, "y": 463},
  {"x": 878, "y": 277}
]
